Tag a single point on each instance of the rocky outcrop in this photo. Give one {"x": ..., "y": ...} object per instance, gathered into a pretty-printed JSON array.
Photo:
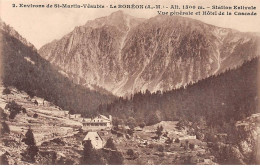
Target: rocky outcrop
[{"x": 249, "y": 135}]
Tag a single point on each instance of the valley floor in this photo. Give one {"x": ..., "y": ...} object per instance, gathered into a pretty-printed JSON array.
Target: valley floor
[{"x": 60, "y": 141}]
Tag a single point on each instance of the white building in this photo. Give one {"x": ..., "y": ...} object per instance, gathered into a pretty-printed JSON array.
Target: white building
[
  {"x": 100, "y": 122},
  {"x": 75, "y": 116}
]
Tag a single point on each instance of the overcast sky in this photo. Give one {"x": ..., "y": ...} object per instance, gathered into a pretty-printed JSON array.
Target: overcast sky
[{"x": 40, "y": 26}]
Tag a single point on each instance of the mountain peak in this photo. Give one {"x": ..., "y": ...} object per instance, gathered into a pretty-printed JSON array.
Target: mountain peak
[
  {"x": 119, "y": 12},
  {"x": 118, "y": 19}
]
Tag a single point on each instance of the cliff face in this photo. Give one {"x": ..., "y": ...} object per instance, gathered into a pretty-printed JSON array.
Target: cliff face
[{"x": 124, "y": 54}]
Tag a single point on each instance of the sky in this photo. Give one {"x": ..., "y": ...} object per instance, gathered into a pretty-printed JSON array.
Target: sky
[{"x": 42, "y": 25}]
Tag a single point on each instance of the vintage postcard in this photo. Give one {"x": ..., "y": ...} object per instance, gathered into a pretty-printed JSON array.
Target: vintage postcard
[{"x": 129, "y": 82}]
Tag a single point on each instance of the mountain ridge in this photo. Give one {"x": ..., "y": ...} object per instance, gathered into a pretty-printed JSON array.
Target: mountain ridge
[{"x": 160, "y": 53}]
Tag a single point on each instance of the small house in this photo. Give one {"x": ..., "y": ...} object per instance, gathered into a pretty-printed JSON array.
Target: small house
[
  {"x": 75, "y": 116},
  {"x": 95, "y": 138},
  {"x": 66, "y": 113}
]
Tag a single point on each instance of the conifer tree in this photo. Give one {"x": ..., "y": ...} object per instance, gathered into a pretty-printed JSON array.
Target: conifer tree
[{"x": 32, "y": 150}]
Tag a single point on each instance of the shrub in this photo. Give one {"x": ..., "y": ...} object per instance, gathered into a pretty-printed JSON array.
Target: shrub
[
  {"x": 14, "y": 109},
  {"x": 182, "y": 124},
  {"x": 210, "y": 137},
  {"x": 187, "y": 160},
  {"x": 152, "y": 118},
  {"x": 113, "y": 131},
  {"x": 47, "y": 157},
  {"x": 90, "y": 155},
  {"x": 119, "y": 134},
  {"x": 151, "y": 146},
  {"x": 130, "y": 132},
  {"x": 177, "y": 140},
  {"x": 30, "y": 153},
  {"x": 36, "y": 102},
  {"x": 1, "y": 110},
  {"x": 115, "y": 158},
  {"x": 72, "y": 112},
  {"x": 142, "y": 125},
  {"x": 58, "y": 141},
  {"x": 4, "y": 129},
  {"x": 169, "y": 140},
  {"x": 192, "y": 146},
  {"x": 159, "y": 131},
  {"x": 110, "y": 144},
  {"x": 80, "y": 130},
  {"x": 186, "y": 145},
  {"x": 165, "y": 134},
  {"x": 116, "y": 121},
  {"x": 6, "y": 91},
  {"x": 160, "y": 148},
  {"x": 161, "y": 154},
  {"x": 229, "y": 154},
  {"x": 4, "y": 159},
  {"x": 130, "y": 152},
  {"x": 32, "y": 150},
  {"x": 29, "y": 138},
  {"x": 24, "y": 110},
  {"x": 199, "y": 136},
  {"x": 131, "y": 122},
  {"x": 3, "y": 115},
  {"x": 35, "y": 115}
]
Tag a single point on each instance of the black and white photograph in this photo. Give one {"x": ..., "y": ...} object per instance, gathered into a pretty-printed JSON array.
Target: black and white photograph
[{"x": 129, "y": 82}]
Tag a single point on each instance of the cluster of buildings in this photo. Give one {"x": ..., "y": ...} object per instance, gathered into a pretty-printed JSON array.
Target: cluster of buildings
[
  {"x": 97, "y": 123},
  {"x": 93, "y": 126}
]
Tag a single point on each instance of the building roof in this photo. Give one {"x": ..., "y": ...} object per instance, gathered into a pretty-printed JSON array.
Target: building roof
[
  {"x": 91, "y": 135},
  {"x": 91, "y": 119},
  {"x": 104, "y": 117}
]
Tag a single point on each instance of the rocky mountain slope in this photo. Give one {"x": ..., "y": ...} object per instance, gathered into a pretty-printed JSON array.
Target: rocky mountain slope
[
  {"x": 124, "y": 54},
  {"x": 22, "y": 67}
]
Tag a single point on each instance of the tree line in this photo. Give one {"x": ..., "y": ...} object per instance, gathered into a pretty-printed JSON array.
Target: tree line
[{"x": 220, "y": 99}]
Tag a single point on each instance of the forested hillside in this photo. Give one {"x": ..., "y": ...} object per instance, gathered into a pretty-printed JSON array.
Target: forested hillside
[{"x": 220, "y": 99}]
